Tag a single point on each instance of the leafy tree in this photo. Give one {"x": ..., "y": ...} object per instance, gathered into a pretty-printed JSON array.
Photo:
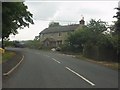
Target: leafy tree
[
  {"x": 97, "y": 26},
  {"x": 78, "y": 39},
  {"x": 93, "y": 42},
  {"x": 8, "y": 43},
  {"x": 36, "y": 38},
  {"x": 53, "y": 24},
  {"x": 116, "y": 36},
  {"x": 0, "y": 20},
  {"x": 14, "y": 16},
  {"x": 117, "y": 24},
  {"x": 87, "y": 35},
  {"x": 88, "y": 39},
  {"x": 33, "y": 44}
]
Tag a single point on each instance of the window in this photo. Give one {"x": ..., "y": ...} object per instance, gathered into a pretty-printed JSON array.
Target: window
[
  {"x": 59, "y": 42},
  {"x": 41, "y": 35},
  {"x": 59, "y": 33}
]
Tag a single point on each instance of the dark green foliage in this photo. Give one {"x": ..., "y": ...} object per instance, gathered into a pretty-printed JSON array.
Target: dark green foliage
[
  {"x": 117, "y": 24},
  {"x": 14, "y": 16},
  {"x": 54, "y": 24},
  {"x": 116, "y": 36},
  {"x": 93, "y": 42},
  {"x": 87, "y": 35},
  {"x": 0, "y": 20},
  {"x": 35, "y": 44},
  {"x": 8, "y": 43}
]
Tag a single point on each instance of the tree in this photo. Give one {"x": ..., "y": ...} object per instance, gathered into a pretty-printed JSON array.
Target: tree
[
  {"x": 116, "y": 36},
  {"x": 0, "y": 20},
  {"x": 78, "y": 38},
  {"x": 36, "y": 38},
  {"x": 33, "y": 44},
  {"x": 53, "y": 24},
  {"x": 117, "y": 24},
  {"x": 88, "y": 34},
  {"x": 87, "y": 37},
  {"x": 97, "y": 26},
  {"x": 14, "y": 16}
]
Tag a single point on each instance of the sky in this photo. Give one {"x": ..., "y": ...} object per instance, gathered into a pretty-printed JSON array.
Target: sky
[{"x": 64, "y": 12}]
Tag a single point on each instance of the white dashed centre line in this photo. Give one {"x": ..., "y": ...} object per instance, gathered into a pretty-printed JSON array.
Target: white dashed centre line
[
  {"x": 56, "y": 60},
  {"x": 80, "y": 76}
]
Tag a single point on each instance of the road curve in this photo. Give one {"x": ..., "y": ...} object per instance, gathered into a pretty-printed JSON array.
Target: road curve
[{"x": 47, "y": 69}]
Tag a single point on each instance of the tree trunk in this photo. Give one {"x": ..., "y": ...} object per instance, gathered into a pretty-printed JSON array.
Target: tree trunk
[{"x": 2, "y": 42}]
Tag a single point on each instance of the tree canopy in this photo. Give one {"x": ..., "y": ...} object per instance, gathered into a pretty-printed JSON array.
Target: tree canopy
[
  {"x": 90, "y": 34},
  {"x": 116, "y": 35},
  {"x": 0, "y": 20},
  {"x": 53, "y": 24},
  {"x": 117, "y": 24},
  {"x": 14, "y": 16}
]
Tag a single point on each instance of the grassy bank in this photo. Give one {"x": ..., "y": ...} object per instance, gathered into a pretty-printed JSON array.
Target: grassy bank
[
  {"x": 7, "y": 55},
  {"x": 112, "y": 65}
]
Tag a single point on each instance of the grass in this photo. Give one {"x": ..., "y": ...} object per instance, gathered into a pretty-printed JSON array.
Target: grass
[{"x": 7, "y": 55}]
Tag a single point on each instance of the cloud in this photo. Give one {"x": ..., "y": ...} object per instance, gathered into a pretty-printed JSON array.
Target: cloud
[
  {"x": 30, "y": 33},
  {"x": 65, "y": 13},
  {"x": 72, "y": 11},
  {"x": 42, "y": 10}
]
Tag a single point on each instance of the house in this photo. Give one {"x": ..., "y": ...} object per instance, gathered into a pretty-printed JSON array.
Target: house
[{"x": 56, "y": 35}]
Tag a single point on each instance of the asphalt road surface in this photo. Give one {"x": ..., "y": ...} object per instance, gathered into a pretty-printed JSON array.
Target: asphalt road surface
[
  {"x": 48, "y": 69},
  {"x": 0, "y": 71}
]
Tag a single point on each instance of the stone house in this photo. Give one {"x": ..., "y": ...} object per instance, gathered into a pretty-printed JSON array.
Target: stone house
[{"x": 56, "y": 36}]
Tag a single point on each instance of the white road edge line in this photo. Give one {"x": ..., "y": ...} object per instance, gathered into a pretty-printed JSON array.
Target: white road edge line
[
  {"x": 14, "y": 67},
  {"x": 56, "y": 60},
  {"x": 80, "y": 76}
]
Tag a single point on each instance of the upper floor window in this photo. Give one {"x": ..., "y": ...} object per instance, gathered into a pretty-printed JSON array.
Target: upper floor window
[{"x": 59, "y": 33}]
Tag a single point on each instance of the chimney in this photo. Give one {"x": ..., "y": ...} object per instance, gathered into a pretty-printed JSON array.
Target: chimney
[{"x": 82, "y": 22}]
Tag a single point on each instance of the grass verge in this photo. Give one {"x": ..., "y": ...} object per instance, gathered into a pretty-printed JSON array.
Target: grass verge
[
  {"x": 7, "y": 55},
  {"x": 110, "y": 64}
]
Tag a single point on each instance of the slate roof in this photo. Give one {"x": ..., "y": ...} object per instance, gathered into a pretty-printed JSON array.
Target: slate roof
[{"x": 60, "y": 29}]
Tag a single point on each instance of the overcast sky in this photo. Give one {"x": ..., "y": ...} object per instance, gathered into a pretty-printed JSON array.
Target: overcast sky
[{"x": 65, "y": 12}]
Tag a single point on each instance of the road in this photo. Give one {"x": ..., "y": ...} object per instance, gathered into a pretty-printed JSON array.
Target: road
[
  {"x": 48, "y": 69},
  {"x": 0, "y": 71}
]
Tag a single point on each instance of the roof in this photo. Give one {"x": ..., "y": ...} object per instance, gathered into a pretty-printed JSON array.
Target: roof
[{"x": 60, "y": 29}]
